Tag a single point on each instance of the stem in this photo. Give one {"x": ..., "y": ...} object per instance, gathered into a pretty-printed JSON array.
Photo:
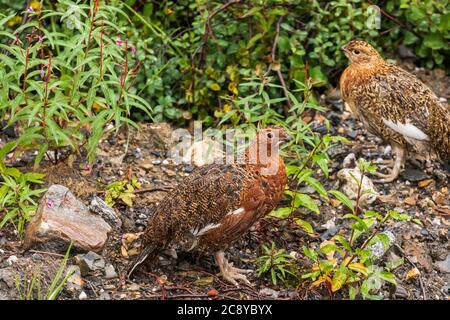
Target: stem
[
  {"x": 311, "y": 154},
  {"x": 25, "y": 72}
]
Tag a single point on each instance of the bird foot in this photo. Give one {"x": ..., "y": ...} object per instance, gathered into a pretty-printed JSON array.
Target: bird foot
[{"x": 230, "y": 273}]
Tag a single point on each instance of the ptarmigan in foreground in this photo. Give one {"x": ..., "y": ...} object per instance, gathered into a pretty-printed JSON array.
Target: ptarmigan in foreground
[
  {"x": 218, "y": 203},
  {"x": 394, "y": 105}
]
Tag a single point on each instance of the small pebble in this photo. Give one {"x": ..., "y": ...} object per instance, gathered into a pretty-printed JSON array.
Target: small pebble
[{"x": 82, "y": 296}]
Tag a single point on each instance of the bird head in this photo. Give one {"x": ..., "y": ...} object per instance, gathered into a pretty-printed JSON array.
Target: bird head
[
  {"x": 263, "y": 150},
  {"x": 273, "y": 135},
  {"x": 358, "y": 51}
]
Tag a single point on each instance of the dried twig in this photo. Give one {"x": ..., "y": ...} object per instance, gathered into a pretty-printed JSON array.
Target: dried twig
[{"x": 48, "y": 253}]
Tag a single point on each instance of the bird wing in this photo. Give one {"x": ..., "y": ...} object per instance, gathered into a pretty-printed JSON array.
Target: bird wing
[
  {"x": 405, "y": 103},
  {"x": 198, "y": 203}
]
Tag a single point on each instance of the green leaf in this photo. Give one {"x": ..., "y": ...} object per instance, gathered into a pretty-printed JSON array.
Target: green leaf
[
  {"x": 305, "y": 225},
  {"x": 434, "y": 41},
  {"x": 310, "y": 253},
  {"x": 387, "y": 276},
  {"x": 343, "y": 199}
]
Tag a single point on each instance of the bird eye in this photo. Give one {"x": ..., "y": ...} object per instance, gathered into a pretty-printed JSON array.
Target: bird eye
[
  {"x": 270, "y": 135},
  {"x": 356, "y": 51}
]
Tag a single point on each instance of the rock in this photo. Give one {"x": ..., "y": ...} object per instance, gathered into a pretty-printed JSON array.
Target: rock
[
  {"x": 350, "y": 186},
  {"x": 269, "y": 293},
  {"x": 146, "y": 164},
  {"x": 349, "y": 161},
  {"x": 443, "y": 266},
  {"x": 401, "y": 293},
  {"x": 83, "y": 296},
  {"x": 414, "y": 175},
  {"x": 74, "y": 282},
  {"x": 89, "y": 262},
  {"x": 11, "y": 260},
  {"x": 106, "y": 212},
  {"x": 62, "y": 218},
  {"x": 377, "y": 249},
  {"x": 104, "y": 295},
  {"x": 110, "y": 272},
  {"x": 8, "y": 277},
  {"x": 3, "y": 296},
  {"x": 203, "y": 152}
]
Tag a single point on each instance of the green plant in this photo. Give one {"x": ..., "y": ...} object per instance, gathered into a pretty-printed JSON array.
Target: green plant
[
  {"x": 32, "y": 289},
  {"x": 349, "y": 262},
  {"x": 121, "y": 190},
  {"x": 276, "y": 262},
  {"x": 17, "y": 197},
  {"x": 67, "y": 72},
  {"x": 423, "y": 26}
]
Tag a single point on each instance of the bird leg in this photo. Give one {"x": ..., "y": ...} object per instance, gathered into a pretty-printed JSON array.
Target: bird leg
[
  {"x": 400, "y": 157},
  {"x": 228, "y": 272}
]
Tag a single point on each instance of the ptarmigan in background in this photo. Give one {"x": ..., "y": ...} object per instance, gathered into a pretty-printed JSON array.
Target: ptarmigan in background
[
  {"x": 218, "y": 203},
  {"x": 394, "y": 105}
]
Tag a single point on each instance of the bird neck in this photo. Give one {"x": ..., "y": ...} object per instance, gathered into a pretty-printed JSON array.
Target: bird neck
[{"x": 263, "y": 158}]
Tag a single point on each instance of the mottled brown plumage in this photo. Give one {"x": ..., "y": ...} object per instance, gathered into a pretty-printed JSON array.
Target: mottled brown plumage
[
  {"x": 217, "y": 204},
  {"x": 394, "y": 105}
]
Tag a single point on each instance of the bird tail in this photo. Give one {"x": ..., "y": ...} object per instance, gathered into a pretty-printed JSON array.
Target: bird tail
[{"x": 148, "y": 252}]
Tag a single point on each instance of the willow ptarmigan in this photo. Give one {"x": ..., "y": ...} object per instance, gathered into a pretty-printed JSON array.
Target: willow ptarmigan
[
  {"x": 394, "y": 105},
  {"x": 218, "y": 203}
]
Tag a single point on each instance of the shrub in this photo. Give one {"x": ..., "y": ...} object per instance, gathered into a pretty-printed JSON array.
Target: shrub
[{"x": 66, "y": 73}]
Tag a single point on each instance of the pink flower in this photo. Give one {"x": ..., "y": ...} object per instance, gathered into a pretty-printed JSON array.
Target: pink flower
[
  {"x": 49, "y": 203},
  {"x": 119, "y": 42},
  {"x": 133, "y": 50},
  {"x": 30, "y": 9},
  {"x": 41, "y": 39}
]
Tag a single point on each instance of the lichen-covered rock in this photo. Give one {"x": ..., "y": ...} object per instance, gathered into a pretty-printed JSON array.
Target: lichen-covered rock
[
  {"x": 62, "y": 218},
  {"x": 350, "y": 179}
]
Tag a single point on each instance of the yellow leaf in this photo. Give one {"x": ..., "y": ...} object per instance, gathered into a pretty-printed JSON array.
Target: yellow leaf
[
  {"x": 358, "y": 267},
  {"x": 36, "y": 5},
  {"x": 214, "y": 87},
  {"x": 414, "y": 272},
  {"x": 133, "y": 252},
  {"x": 130, "y": 237},
  {"x": 425, "y": 183},
  {"x": 232, "y": 87},
  {"x": 318, "y": 282},
  {"x": 124, "y": 252}
]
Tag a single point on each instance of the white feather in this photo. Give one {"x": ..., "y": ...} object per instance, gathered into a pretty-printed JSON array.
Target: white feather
[
  {"x": 407, "y": 129},
  {"x": 196, "y": 232},
  {"x": 237, "y": 211}
]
